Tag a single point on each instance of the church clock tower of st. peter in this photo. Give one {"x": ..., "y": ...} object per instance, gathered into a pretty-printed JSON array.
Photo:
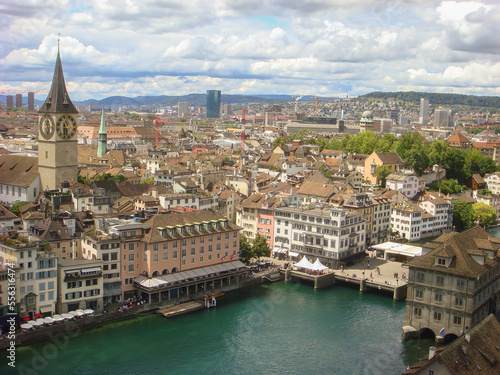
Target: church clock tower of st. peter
[{"x": 57, "y": 142}]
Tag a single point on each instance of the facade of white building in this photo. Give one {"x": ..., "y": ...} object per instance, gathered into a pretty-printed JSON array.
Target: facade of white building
[
  {"x": 493, "y": 182},
  {"x": 334, "y": 235},
  {"x": 409, "y": 185}
]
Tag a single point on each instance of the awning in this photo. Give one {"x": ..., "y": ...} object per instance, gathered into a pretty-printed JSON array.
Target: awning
[
  {"x": 293, "y": 254},
  {"x": 93, "y": 269},
  {"x": 45, "y": 309}
]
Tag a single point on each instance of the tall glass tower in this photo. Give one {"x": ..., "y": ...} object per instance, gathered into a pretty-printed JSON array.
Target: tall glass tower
[{"x": 213, "y": 103}]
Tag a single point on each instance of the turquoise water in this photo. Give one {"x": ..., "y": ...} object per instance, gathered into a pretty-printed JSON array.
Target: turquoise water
[{"x": 270, "y": 329}]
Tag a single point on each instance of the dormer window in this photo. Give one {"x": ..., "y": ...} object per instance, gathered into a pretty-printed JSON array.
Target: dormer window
[{"x": 441, "y": 262}]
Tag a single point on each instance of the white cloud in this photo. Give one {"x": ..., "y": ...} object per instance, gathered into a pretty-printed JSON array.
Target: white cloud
[{"x": 134, "y": 47}]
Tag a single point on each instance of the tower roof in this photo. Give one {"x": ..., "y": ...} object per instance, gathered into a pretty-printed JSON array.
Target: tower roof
[
  {"x": 58, "y": 100},
  {"x": 102, "y": 129}
]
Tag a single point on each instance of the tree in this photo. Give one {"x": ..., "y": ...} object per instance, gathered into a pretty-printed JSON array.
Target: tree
[
  {"x": 463, "y": 215},
  {"x": 260, "y": 247},
  {"x": 279, "y": 141},
  {"x": 485, "y": 213},
  {"x": 151, "y": 116},
  {"x": 148, "y": 181},
  {"x": 386, "y": 143},
  {"x": 134, "y": 116},
  {"x": 119, "y": 178},
  {"x": 449, "y": 187},
  {"x": 14, "y": 207},
  {"x": 245, "y": 249},
  {"x": 382, "y": 172},
  {"x": 182, "y": 119}
]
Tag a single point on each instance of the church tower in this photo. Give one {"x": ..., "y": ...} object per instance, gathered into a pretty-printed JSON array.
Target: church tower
[
  {"x": 102, "y": 146},
  {"x": 57, "y": 143}
]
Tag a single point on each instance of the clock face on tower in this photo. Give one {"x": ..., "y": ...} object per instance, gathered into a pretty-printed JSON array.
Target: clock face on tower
[
  {"x": 46, "y": 127},
  {"x": 66, "y": 127}
]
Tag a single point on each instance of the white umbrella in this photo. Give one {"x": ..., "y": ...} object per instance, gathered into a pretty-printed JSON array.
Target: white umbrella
[
  {"x": 38, "y": 322},
  {"x": 26, "y": 326},
  {"x": 88, "y": 311},
  {"x": 48, "y": 320},
  {"x": 79, "y": 310},
  {"x": 72, "y": 313},
  {"x": 58, "y": 318},
  {"x": 79, "y": 313},
  {"x": 31, "y": 322},
  {"x": 67, "y": 316}
]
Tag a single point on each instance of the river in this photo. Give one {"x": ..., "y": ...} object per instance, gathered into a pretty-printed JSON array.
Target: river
[{"x": 270, "y": 329}]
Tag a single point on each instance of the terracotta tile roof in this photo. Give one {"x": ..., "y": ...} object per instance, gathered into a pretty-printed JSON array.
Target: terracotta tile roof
[
  {"x": 389, "y": 158},
  {"x": 460, "y": 246},
  {"x": 18, "y": 170}
]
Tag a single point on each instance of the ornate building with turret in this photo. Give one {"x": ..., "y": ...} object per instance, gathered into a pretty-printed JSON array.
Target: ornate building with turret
[{"x": 102, "y": 146}]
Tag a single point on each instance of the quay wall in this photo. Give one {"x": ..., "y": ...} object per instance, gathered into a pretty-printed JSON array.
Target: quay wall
[{"x": 61, "y": 332}]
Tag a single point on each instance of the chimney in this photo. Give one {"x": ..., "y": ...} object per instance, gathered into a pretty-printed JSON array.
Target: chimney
[{"x": 432, "y": 352}]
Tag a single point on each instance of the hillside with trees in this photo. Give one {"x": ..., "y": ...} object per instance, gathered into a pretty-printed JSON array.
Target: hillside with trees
[{"x": 437, "y": 98}]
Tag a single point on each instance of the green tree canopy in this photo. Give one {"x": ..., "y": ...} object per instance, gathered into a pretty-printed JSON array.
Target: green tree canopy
[
  {"x": 14, "y": 207},
  {"x": 463, "y": 215},
  {"x": 260, "y": 247},
  {"x": 245, "y": 249},
  {"x": 382, "y": 172},
  {"x": 486, "y": 214},
  {"x": 134, "y": 116}
]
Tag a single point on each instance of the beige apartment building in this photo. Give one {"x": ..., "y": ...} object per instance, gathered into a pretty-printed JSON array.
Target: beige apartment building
[{"x": 455, "y": 286}]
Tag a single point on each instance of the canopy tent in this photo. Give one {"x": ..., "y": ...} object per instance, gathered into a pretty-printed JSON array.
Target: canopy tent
[
  {"x": 304, "y": 263},
  {"x": 319, "y": 266}
]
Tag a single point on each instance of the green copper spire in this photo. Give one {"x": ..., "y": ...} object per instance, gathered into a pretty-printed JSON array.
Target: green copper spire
[{"x": 103, "y": 138}]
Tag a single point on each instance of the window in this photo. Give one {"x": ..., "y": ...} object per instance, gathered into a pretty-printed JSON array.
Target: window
[
  {"x": 183, "y": 253},
  {"x": 130, "y": 268},
  {"x": 50, "y": 285},
  {"x": 41, "y": 286},
  {"x": 193, "y": 241},
  {"x": 417, "y": 311},
  {"x": 174, "y": 254},
  {"x": 438, "y": 297},
  {"x": 183, "y": 243},
  {"x": 419, "y": 293},
  {"x": 202, "y": 250},
  {"x": 50, "y": 295},
  {"x": 155, "y": 258},
  {"x": 131, "y": 257},
  {"x": 42, "y": 297},
  {"x": 192, "y": 260},
  {"x": 165, "y": 256},
  {"x": 457, "y": 320},
  {"x": 460, "y": 283},
  {"x": 459, "y": 301},
  {"x": 209, "y": 248},
  {"x": 440, "y": 280},
  {"x": 441, "y": 261},
  {"x": 193, "y": 251},
  {"x": 437, "y": 316}
]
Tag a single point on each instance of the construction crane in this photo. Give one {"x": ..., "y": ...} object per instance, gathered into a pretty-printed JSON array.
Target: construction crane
[
  {"x": 316, "y": 105},
  {"x": 157, "y": 121},
  {"x": 243, "y": 122},
  {"x": 14, "y": 91}
]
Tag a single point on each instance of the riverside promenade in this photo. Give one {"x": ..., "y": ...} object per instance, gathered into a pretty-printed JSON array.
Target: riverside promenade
[{"x": 366, "y": 275}]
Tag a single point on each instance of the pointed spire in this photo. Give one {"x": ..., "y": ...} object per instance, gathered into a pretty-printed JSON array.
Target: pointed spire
[
  {"x": 102, "y": 129},
  {"x": 58, "y": 100},
  {"x": 102, "y": 145}
]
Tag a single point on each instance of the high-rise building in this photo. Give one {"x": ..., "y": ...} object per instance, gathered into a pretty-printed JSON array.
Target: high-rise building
[
  {"x": 442, "y": 118},
  {"x": 226, "y": 109},
  {"x": 31, "y": 101},
  {"x": 393, "y": 114},
  {"x": 424, "y": 111},
  {"x": 19, "y": 100},
  {"x": 57, "y": 143},
  {"x": 213, "y": 103},
  {"x": 183, "y": 109},
  {"x": 10, "y": 101}
]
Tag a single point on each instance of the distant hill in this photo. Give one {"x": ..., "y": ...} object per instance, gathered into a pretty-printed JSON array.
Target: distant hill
[
  {"x": 193, "y": 99},
  {"x": 437, "y": 98}
]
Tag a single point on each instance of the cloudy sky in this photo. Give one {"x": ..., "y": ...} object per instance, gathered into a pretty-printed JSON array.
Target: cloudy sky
[{"x": 305, "y": 47}]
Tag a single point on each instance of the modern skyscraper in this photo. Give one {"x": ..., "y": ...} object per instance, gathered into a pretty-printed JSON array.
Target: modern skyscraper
[
  {"x": 57, "y": 143},
  {"x": 10, "y": 101},
  {"x": 31, "y": 101},
  {"x": 424, "y": 111},
  {"x": 213, "y": 103},
  {"x": 102, "y": 146},
  {"x": 183, "y": 109},
  {"x": 442, "y": 118},
  {"x": 19, "y": 100}
]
